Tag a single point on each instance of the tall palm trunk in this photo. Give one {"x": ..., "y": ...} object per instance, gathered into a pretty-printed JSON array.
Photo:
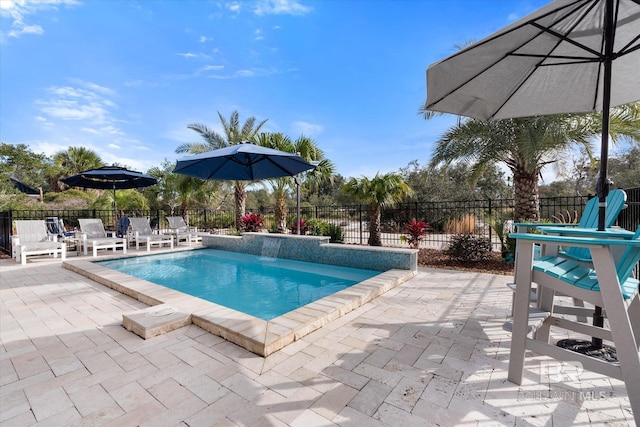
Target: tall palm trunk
[
  {"x": 374, "y": 225},
  {"x": 281, "y": 213},
  {"x": 240, "y": 199},
  {"x": 526, "y": 196}
]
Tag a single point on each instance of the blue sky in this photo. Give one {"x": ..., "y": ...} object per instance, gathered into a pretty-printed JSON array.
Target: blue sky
[{"x": 125, "y": 78}]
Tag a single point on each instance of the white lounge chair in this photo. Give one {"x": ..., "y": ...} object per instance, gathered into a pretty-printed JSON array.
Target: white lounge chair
[
  {"x": 141, "y": 232},
  {"x": 93, "y": 235},
  {"x": 179, "y": 228},
  {"x": 33, "y": 239}
]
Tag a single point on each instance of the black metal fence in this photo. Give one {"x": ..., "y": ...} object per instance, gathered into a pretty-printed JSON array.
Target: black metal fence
[{"x": 445, "y": 218}]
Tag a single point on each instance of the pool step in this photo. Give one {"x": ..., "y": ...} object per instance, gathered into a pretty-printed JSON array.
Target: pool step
[{"x": 155, "y": 320}]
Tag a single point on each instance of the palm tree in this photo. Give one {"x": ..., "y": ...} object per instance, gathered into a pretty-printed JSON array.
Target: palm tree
[
  {"x": 233, "y": 134},
  {"x": 380, "y": 191},
  {"x": 307, "y": 149},
  {"x": 75, "y": 160},
  {"x": 526, "y": 145}
]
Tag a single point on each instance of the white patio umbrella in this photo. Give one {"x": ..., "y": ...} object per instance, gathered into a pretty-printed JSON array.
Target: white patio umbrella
[{"x": 571, "y": 56}]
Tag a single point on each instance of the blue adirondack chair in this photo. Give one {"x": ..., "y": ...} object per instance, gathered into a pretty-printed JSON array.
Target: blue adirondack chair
[
  {"x": 608, "y": 284},
  {"x": 589, "y": 219}
]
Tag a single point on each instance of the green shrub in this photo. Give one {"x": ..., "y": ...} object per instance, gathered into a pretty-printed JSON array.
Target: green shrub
[
  {"x": 317, "y": 227},
  {"x": 336, "y": 234},
  {"x": 468, "y": 247}
]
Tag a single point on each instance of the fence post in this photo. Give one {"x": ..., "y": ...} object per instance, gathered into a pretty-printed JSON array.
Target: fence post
[
  {"x": 360, "y": 221},
  {"x": 490, "y": 228}
]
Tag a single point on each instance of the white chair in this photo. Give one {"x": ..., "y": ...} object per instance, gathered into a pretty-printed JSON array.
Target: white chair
[
  {"x": 33, "y": 239},
  {"x": 179, "y": 228},
  {"x": 608, "y": 284},
  {"x": 141, "y": 232},
  {"x": 93, "y": 235}
]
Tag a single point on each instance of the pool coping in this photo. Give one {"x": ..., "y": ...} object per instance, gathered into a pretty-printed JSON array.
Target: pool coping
[{"x": 256, "y": 335}]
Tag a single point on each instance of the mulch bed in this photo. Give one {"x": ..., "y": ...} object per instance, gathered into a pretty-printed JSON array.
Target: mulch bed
[{"x": 437, "y": 259}]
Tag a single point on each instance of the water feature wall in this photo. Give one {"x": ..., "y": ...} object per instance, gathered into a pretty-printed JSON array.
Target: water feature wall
[{"x": 316, "y": 249}]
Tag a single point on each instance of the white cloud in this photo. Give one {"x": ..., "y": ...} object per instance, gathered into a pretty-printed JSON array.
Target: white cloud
[
  {"x": 17, "y": 10},
  {"x": 307, "y": 129},
  {"x": 204, "y": 39},
  {"x": 281, "y": 7},
  {"x": 140, "y": 83},
  {"x": 26, "y": 29},
  {"x": 207, "y": 68},
  {"x": 72, "y": 110},
  {"x": 233, "y": 6},
  {"x": 91, "y": 131},
  {"x": 91, "y": 108},
  {"x": 190, "y": 55}
]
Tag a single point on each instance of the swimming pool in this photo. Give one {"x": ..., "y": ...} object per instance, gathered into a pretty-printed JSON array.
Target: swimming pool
[
  {"x": 263, "y": 287},
  {"x": 169, "y": 309}
]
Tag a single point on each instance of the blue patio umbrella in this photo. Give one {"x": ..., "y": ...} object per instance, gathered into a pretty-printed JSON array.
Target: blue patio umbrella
[
  {"x": 245, "y": 162},
  {"x": 110, "y": 177},
  {"x": 242, "y": 162}
]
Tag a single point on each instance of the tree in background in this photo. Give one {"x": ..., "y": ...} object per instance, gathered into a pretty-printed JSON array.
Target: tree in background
[
  {"x": 181, "y": 193},
  {"x": 579, "y": 174},
  {"x": 233, "y": 134},
  {"x": 73, "y": 161},
  {"x": 327, "y": 193},
  {"x": 431, "y": 184},
  {"x": 379, "y": 192},
  {"x": 21, "y": 163},
  {"x": 526, "y": 145},
  {"x": 308, "y": 150}
]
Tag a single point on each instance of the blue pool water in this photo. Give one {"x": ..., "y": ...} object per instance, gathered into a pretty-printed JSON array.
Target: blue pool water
[{"x": 260, "y": 286}]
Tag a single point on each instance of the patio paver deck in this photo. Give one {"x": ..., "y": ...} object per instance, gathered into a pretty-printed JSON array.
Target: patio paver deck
[{"x": 431, "y": 351}]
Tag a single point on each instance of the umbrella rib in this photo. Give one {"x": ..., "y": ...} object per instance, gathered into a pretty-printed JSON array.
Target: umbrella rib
[
  {"x": 560, "y": 37},
  {"x": 575, "y": 59},
  {"x": 280, "y": 167}
]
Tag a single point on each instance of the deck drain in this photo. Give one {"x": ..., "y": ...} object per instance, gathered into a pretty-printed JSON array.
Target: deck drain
[{"x": 163, "y": 311}]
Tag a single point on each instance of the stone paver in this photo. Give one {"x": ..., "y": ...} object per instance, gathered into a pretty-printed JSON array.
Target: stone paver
[{"x": 429, "y": 352}]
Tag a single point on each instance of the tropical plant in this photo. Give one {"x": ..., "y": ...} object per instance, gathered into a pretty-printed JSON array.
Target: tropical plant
[
  {"x": 303, "y": 226},
  {"x": 499, "y": 224},
  {"x": 336, "y": 233},
  {"x": 75, "y": 160},
  {"x": 126, "y": 200},
  {"x": 251, "y": 222},
  {"x": 307, "y": 149},
  {"x": 180, "y": 193},
  {"x": 416, "y": 231},
  {"x": 380, "y": 191},
  {"x": 233, "y": 134},
  {"x": 526, "y": 145},
  {"x": 317, "y": 227}
]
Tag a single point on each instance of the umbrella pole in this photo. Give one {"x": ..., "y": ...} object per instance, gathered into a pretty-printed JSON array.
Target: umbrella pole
[
  {"x": 115, "y": 208},
  {"x": 297, "y": 179},
  {"x": 602, "y": 187}
]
